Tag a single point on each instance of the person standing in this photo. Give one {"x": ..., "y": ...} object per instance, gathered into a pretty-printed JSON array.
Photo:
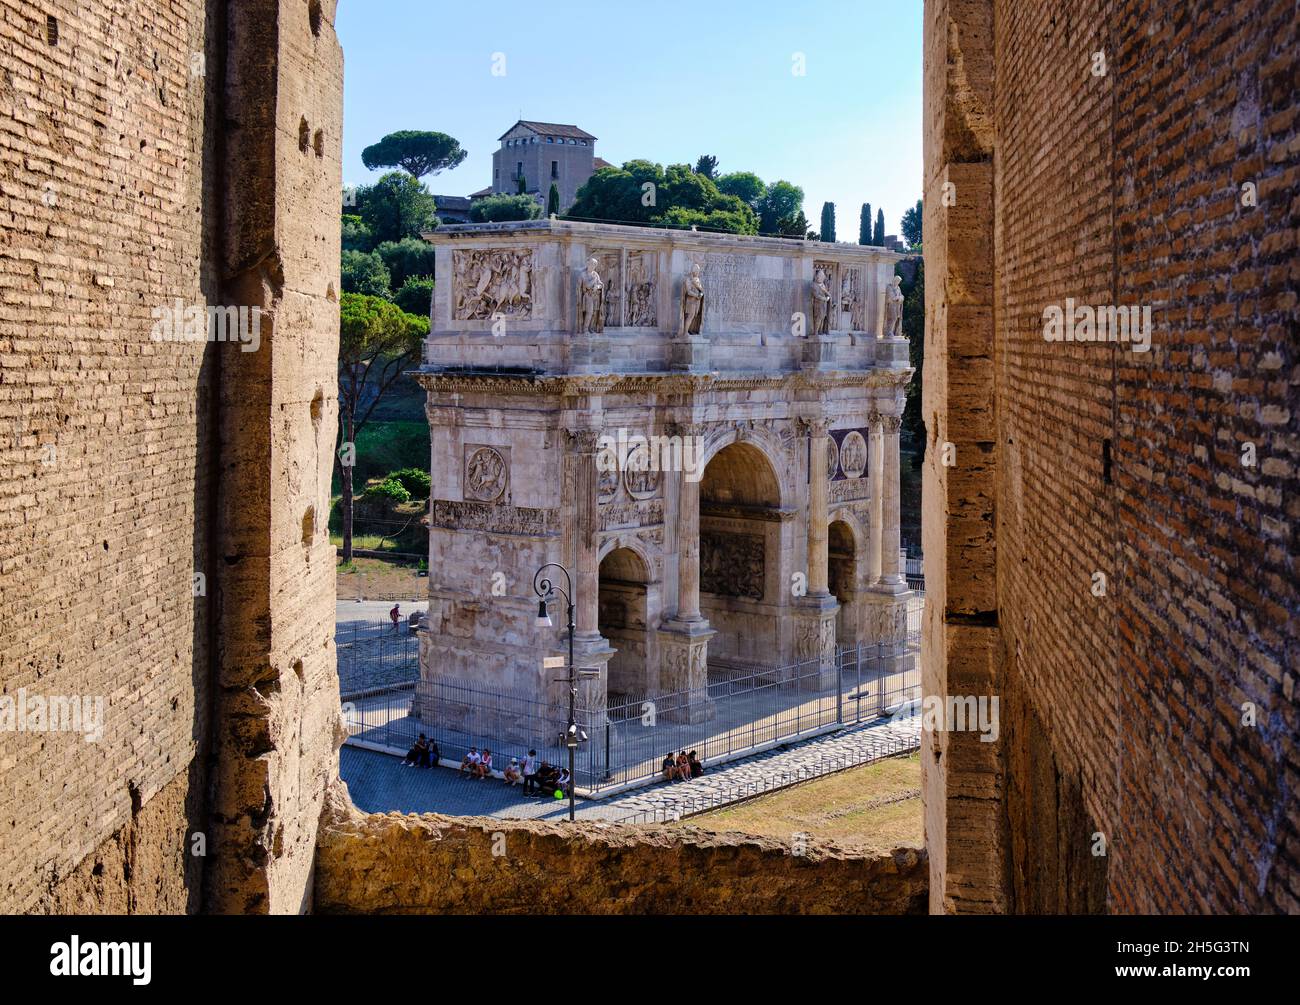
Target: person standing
[
  {"x": 530, "y": 774},
  {"x": 396, "y": 615}
]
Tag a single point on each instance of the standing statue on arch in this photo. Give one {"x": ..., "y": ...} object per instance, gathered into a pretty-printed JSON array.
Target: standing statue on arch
[
  {"x": 894, "y": 308},
  {"x": 691, "y": 316}
]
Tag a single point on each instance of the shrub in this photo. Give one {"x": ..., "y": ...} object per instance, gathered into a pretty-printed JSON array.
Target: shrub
[
  {"x": 416, "y": 482},
  {"x": 388, "y": 492}
]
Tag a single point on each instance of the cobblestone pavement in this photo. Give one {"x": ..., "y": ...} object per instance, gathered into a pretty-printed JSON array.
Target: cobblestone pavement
[
  {"x": 370, "y": 653},
  {"x": 380, "y": 784}
]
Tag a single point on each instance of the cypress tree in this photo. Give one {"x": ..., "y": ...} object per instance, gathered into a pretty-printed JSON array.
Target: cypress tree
[
  {"x": 879, "y": 239},
  {"x": 553, "y": 201},
  {"x": 828, "y": 222},
  {"x": 864, "y": 224}
]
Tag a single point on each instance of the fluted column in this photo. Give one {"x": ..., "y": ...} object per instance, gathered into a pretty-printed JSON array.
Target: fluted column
[
  {"x": 688, "y": 537},
  {"x": 582, "y": 457},
  {"x": 876, "y": 455},
  {"x": 818, "y": 505},
  {"x": 891, "y": 571}
]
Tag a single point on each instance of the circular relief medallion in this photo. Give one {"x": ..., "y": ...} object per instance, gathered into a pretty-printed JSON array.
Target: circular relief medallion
[
  {"x": 640, "y": 474},
  {"x": 832, "y": 458},
  {"x": 485, "y": 475},
  {"x": 853, "y": 455}
]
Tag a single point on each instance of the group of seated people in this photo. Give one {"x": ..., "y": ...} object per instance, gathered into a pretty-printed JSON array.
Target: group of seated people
[
  {"x": 683, "y": 767},
  {"x": 537, "y": 776},
  {"x": 423, "y": 755}
]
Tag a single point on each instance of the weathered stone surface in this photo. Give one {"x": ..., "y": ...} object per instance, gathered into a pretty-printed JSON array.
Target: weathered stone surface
[{"x": 408, "y": 864}]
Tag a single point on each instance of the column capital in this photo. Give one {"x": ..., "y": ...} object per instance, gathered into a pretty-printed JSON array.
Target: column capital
[
  {"x": 892, "y": 423},
  {"x": 581, "y": 441},
  {"x": 813, "y": 425},
  {"x": 685, "y": 428}
]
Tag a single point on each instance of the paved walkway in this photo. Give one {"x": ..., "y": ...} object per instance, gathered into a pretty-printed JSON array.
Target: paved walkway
[{"x": 380, "y": 784}]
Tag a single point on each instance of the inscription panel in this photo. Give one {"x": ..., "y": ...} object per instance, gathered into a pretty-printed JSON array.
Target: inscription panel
[{"x": 735, "y": 294}]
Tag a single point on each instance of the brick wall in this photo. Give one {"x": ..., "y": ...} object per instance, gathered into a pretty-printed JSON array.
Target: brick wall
[
  {"x": 103, "y": 156},
  {"x": 151, "y": 154},
  {"x": 1122, "y": 714}
]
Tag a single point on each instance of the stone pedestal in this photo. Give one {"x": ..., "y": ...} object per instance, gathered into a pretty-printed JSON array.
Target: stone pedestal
[
  {"x": 684, "y": 671},
  {"x": 885, "y": 614},
  {"x": 689, "y": 353},
  {"x": 815, "y": 641},
  {"x": 818, "y": 353}
]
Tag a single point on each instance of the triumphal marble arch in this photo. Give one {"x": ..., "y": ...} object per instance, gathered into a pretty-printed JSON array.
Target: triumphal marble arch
[{"x": 703, "y": 428}]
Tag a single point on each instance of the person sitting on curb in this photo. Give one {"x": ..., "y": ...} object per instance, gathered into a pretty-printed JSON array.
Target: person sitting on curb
[
  {"x": 484, "y": 766},
  {"x": 470, "y": 761},
  {"x": 669, "y": 767},
  {"x": 563, "y": 781},
  {"x": 684, "y": 767},
  {"x": 512, "y": 774},
  {"x": 417, "y": 756},
  {"x": 697, "y": 766}
]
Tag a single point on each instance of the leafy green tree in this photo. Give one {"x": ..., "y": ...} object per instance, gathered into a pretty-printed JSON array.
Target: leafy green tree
[
  {"x": 501, "y": 208},
  {"x": 378, "y": 341},
  {"x": 795, "y": 225},
  {"x": 406, "y": 258},
  {"x": 364, "y": 272},
  {"x": 356, "y": 234},
  {"x": 396, "y": 206},
  {"x": 745, "y": 186},
  {"x": 416, "y": 152},
  {"x": 740, "y": 220},
  {"x": 553, "y": 201},
  {"x": 828, "y": 222},
  {"x": 912, "y": 226},
  {"x": 782, "y": 200},
  {"x": 415, "y": 296},
  {"x": 632, "y": 193},
  {"x": 878, "y": 238},
  {"x": 864, "y": 224},
  {"x": 707, "y": 166}
]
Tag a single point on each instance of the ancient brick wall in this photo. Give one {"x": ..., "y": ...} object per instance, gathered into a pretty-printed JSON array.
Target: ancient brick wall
[
  {"x": 407, "y": 864},
  {"x": 149, "y": 155},
  {"x": 1119, "y": 181},
  {"x": 105, "y": 439}
]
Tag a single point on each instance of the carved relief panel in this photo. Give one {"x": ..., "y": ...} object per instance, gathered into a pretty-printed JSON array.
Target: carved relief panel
[
  {"x": 732, "y": 565},
  {"x": 491, "y": 282},
  {"x": 610, "y": 267},
  {"x": 853, "y": 301},
  {"x": 641, "y": 289}
]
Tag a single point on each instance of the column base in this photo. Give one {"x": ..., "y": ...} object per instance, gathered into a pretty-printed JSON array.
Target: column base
[
  {"x": 890, "y": 586},
  {"x": 684, "y": 671}
]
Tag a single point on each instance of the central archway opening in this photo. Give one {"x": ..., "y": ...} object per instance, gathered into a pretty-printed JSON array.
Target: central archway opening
[{"x": 740, "y": 548}]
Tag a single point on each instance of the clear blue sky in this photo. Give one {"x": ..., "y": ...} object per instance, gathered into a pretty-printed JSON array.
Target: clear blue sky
[{"x": 665, "y": 81}]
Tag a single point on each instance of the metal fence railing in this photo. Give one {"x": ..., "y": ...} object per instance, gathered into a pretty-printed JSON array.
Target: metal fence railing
[
  {"x": 373, "y": 656},
  {"x": 737, "y": 713},
  {"x": 695, "y": 803}
]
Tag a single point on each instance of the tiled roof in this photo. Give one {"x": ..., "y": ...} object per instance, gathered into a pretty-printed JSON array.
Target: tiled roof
[
  {"x": 600, "y": 162},
  {"x": 551, "y": 129}
]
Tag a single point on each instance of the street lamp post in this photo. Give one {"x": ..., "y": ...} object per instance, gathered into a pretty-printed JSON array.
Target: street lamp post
[{"x": 544, "y": 588}]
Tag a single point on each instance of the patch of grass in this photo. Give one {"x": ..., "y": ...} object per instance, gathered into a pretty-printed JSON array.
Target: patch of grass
[
  {"x": 874, "y": 809},
  {"x": 372, "y": 576}
]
